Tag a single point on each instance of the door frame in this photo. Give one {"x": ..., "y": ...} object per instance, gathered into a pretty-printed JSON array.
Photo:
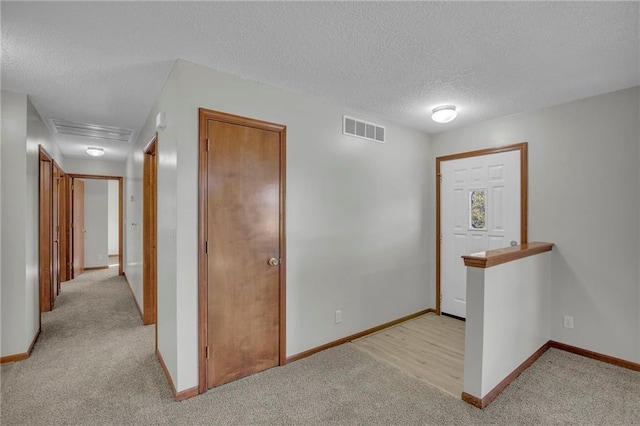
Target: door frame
[
  {"x": 56, "y": 221},
  {"x": 204, "y": 116},
  {"x": 68, "y": 201},
  {"x": 77, "y": 231},
  {"x": 120, "y": 180},
  {"x": 523, "y": 148},
  {"x": 45, "y": 237},
  {"x": 62, "y": 222},
  {"x": 150, "y": 233}
]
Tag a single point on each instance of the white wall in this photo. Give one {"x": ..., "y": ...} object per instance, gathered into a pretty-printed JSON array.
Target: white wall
[
  {"x": 14, "y": 338},
  {"x": 357, "y": 218},
  {"x": 92, "y": 166},
  {"x": 167, "y": 207},
  {"x": 1, "y": 239},
  {"x": 96, "y": 239},
  {"x": 584, "y": 188},
  {"x": 356, "y": 214},
  {"x": 112, "y": 216},
  {"x": 22, "y": 132},
  {"x": 508, "y": 320},
  {"x": 37, "y": 134}
]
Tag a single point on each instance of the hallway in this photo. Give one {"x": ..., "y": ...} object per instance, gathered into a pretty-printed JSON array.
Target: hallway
[{"x": 93, "y": 362}]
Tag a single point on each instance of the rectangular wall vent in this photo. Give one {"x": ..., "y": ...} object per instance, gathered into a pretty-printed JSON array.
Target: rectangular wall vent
[
  {"x": 362, "y": 129},
  {"x": 92, "y": 131}
]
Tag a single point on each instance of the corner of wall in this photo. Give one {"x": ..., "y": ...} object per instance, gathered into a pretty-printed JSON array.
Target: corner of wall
[
  {"x": 430, "y": 219},
  {"x": 637, "y": 94},
  {"x": 14, "y": 335},
  {"x": 38, "y": 134},
  {"x": 186, "y": 254},
  {"x": 167, "y": 206}
]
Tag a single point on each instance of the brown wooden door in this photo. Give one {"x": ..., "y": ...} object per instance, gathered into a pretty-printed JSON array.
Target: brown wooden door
[
  {"x": 243, "y": 234},
  {"x": 149, "y": 235},
  {"x": 63, "y": 222},
  {"x": 78, "y": 227},
  {"x": 45, "y": 236},
  {"x": 55, "y": 205}
]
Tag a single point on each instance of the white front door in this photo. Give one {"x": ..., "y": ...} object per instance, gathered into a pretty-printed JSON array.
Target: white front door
[{"x": 480, "y": 210}]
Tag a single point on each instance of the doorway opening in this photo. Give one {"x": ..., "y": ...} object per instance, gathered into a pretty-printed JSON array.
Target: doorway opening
[
  {"x": 432, "y": 346},
  {"x": 241, "y": 251},
  {"x": 95, "y": 223},
  {"x": 48, "y": 226},
  {"x": 52, "y": 230}
]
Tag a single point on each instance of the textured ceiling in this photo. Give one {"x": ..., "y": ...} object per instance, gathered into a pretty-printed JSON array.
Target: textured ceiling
[{"x": 105, "y": 63}]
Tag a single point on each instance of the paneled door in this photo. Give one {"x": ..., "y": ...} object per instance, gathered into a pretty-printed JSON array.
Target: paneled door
[
  {"x": 77, "y": 227},
  {"x": 150, "y": 233},
  {"x": 480, "y": 210},
  {"x": 55, "y": 205},
  {"x": 244, "y": 251},
  {"x": 45, "y": 231}
]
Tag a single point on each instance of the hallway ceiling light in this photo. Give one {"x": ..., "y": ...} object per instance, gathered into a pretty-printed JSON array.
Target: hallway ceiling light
[
  {"x": 95, "y": 151},
  {"x": 444, "y": 113}
]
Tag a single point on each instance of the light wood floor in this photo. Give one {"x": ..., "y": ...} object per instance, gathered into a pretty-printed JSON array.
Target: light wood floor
[{"x": 430, "y": 347}]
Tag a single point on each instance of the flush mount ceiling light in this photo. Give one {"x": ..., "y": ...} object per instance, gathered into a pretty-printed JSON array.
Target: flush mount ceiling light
[
  {"x": 95, "y": 151},
  {"x": 444, "y": 113}
]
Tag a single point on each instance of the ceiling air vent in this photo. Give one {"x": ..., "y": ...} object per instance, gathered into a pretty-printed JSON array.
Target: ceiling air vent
[
  {"x": 92, "y": 131},
  {"x": 362, "y": 129}
]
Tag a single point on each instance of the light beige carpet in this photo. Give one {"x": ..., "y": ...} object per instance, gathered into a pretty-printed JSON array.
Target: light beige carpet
[{"x": 94, "y": 364}]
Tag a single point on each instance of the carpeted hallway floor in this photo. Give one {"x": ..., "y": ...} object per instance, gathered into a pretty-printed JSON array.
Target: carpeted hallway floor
[{"x": 94, "y": 364}]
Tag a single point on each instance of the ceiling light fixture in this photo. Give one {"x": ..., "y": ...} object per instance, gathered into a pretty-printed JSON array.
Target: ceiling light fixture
[
  {"x": 95, "y": 151},
  {"x": 444, "y": 113}
]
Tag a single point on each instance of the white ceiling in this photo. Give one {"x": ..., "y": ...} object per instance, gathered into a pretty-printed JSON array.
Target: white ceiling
[{"x": 105, "y": 63}]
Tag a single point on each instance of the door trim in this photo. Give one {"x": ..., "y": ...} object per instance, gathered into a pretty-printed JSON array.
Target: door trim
[
  {"x": 523, "y": 148},
  {"x": 62, "y": 223},
  {"x": 150, "y": 234},
  {"x": 55, "y": 226},
  {"x": 204, "y": 116},
  {"x": 120, "y": 211},
  {"x": 45, "y": 236}
]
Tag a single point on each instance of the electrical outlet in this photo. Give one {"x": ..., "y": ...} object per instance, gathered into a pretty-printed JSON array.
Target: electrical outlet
[
  {"x": 338, "y": 317},
  {"x": 568, "y": 321}
]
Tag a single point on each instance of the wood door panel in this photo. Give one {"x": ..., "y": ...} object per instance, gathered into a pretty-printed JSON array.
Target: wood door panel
[
  {"x": 55, "y": 274},
  {"x": 45, "y": 234},
  {"x": 243, "y": 213},
  {"x": 149, "y": 234},
  {"x": 78, "y": 227},
  {"x": 62, "y": 232}
]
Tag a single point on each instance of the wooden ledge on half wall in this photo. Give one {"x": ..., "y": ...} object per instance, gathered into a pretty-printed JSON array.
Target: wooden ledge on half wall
[{"x": 487, "y": 259}]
